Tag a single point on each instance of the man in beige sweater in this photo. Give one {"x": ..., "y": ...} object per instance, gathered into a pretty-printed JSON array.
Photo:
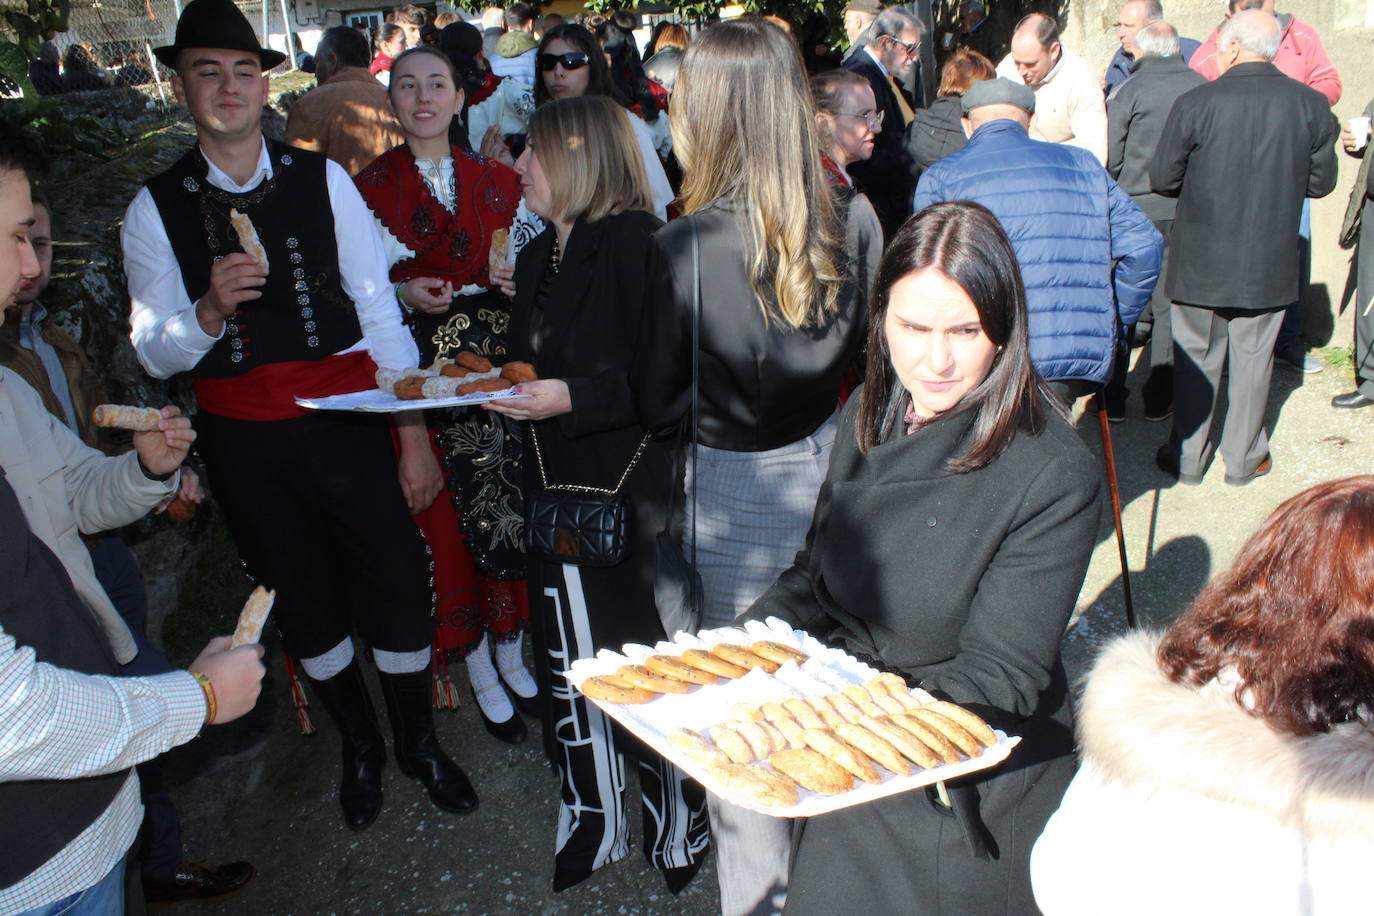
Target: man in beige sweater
[{"x": 1068, "y": 93}]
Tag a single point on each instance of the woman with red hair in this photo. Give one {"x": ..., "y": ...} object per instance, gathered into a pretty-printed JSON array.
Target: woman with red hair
[{"x": 1228, "y": 764}]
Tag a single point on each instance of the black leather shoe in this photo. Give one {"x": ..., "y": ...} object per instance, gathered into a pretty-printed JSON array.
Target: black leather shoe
[
  {"x": 1167, "y": 461},
  {"x": 678, "y": 878},
  {"x": 344, "y": 696},
  {"x": 199, "y": 881},
  {"x": 418, "y": 754},
  {"x": 1350, "y": 400},
  {"x": 511, "y": 731}
]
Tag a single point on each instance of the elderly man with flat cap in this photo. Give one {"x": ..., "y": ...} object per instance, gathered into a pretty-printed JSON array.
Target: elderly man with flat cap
[
  {"x": 1089, "y": 257},
  {"x": 318, "y": 503}
]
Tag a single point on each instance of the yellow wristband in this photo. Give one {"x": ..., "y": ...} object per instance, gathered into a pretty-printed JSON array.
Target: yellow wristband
[{"x": 211, "y": 707}]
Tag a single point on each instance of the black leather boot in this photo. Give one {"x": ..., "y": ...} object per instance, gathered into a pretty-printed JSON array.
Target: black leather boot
[
  {"x": 344, "y": 696},
  {"x": 417, "y": 749}
]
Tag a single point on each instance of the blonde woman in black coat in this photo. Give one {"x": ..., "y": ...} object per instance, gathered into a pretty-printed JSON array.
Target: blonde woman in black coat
[
  {"x": 579, "y": 290},
  {"x": 949, "y": 543}
]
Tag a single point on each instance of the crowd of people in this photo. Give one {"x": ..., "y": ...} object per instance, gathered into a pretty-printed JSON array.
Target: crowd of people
[{"x": 822, "y": 328}]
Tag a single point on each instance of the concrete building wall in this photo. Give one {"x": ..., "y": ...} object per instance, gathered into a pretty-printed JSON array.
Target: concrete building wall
[{"x": 1347, "y": 31}]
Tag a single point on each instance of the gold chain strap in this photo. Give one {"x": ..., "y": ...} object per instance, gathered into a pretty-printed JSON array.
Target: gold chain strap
[{"x": 578, "y": 488}]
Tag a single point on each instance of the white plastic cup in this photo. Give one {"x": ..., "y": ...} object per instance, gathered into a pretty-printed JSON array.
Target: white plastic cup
[{"x": 1360, "y": 127}]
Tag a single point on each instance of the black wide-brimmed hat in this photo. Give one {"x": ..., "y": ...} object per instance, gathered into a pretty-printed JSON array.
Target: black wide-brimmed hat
[{"x": 216, "y": 24}]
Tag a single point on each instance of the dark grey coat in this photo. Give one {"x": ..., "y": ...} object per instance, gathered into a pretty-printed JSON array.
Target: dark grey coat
[
  {"x": 1136, "y": 113},
  {"x": 964, "y": 582},
  {"x": 1240, "y": 154},
  {"x": 934, "y": 133}
]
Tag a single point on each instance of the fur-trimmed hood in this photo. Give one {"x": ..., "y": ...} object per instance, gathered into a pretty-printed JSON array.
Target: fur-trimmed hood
[{"x": 1142, "y": 730}]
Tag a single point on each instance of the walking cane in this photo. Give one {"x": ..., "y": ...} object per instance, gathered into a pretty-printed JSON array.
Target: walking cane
[{"x": 1110, "y": 457}]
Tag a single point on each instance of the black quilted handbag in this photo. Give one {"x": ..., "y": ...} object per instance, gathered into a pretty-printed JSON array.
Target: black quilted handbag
[{"x": 583, "y": 526}]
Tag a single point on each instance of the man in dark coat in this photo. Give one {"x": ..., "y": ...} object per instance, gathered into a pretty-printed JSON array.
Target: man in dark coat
[
  {"x": 1136, "y": 113},
  {"x": 979, "y": 33},
  {"x": 1134, "y": 16},
  {"x": 894, "y": 44},
  {"x": 1240, "y": 154}
]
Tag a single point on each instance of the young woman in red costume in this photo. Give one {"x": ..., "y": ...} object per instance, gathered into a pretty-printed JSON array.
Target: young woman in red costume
[{"x": 436, "y": 206}]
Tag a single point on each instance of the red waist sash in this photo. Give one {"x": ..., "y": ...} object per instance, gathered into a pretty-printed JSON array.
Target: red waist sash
[{"x": 269, "y": 392}]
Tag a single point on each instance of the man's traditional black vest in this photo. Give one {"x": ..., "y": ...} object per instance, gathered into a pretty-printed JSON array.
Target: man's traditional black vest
[
  {"x": 304, "y": 314},
  {"x": 40, "y": 609}
]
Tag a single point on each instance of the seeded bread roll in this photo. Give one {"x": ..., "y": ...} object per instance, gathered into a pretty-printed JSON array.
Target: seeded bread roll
[
  {"x": 668, "y": 666},
  {"x": 777, "y": 652},
  {"x": 614, "y": 690},
  {"x": 699, "y": 658},
  {"x": 643, "y": 677},
  {"x": 738, "y": 655}
]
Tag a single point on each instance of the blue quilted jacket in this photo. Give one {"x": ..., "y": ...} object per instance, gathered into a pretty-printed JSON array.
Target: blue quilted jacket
[{"x": 1089, "y": 257}]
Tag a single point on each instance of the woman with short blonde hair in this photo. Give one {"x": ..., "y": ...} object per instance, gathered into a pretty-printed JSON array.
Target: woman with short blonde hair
[
  {"x": 783, "y": 297},
  {"x": 580, "y": 289}
]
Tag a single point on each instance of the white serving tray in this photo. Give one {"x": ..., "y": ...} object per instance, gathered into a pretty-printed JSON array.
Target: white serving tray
[
  {"x": 827, "y": 669},
  {"x": 378, "y": 401}
]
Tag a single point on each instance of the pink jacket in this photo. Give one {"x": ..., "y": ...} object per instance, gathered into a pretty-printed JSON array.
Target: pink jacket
[{"x": 1301, "y": 56}]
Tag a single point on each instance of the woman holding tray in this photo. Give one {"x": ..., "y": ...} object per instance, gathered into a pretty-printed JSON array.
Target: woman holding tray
[
  {"x": 579, "y": 293},
  {"x": 785, "y": 271},
  {"x": 948, "y": 545},
  {"x": 436, "y": 207},
  {"x": 1227, "y": 760}
]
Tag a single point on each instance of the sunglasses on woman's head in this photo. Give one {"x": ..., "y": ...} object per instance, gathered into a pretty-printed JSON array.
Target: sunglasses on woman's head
[{"x": 573, "y": 60}]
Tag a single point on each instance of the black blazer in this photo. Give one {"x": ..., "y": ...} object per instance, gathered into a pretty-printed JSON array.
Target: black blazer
[
  {"x": 763, "y": 386},
  {"x": 886, "y": 177},
  {"x": 965, "y": 583},
  {"x": 1235, "y": 244}
]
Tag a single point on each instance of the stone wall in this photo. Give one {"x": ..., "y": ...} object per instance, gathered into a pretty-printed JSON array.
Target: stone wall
[{"x": 1347, "y": 31}]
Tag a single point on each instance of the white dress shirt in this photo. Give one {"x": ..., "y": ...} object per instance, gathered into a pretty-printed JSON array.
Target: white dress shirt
[{"x": 165, "y": 332}]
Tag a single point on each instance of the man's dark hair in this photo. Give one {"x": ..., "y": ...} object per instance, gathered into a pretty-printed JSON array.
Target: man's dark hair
[
  {"x": 518, "y": 15},
  {"x": 1046, "y": 28},
  {"x": 346, "y": 44},
  {"x": 20, "y": 152},
  {"x": 409, "y": 14}
]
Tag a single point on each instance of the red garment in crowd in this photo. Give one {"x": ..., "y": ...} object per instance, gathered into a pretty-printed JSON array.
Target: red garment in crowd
[{"x": 379, "y": 63}]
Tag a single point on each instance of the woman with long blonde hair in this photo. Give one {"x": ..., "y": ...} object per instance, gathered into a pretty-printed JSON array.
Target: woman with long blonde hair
[{"x": 782, "y": 318}]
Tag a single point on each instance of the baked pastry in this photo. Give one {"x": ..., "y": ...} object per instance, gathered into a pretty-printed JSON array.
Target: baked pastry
[
  {"x": 777, "y": 652},
  {"x": 956, "y": 733},
  {"x": 758, "y": 784},
  {"x": 874, "y": 746},
  {"x": 738, "y": 655},
  {"x": 813, "y": 771},
  {"x": 801, "y": 710},
  {"x": 410, "y": 388},
  {"x": 976, "y": 726},
  {"x": 860, "y": 697},
  {"x": 696, "y": 747},
  {"x": 852, "y": 759},
  {"x": 844, "y": 706},
  {"x": 734, "y": 744},
  {"x": 790, "y": 730},
  {"x": 516, "y": 372},
  {"x": 119, "y": 416},
  {"x": 248, "y": 237},
  {"x": 911, "y": 747},
  {"x": 746, "y": 712},
  {"x": 699, "y": 658},
  {"x": 614, "y": 690},
  {"x": 483, "y": 384},
  {"x": 643, "y": 677},
  {"x": 253, "y": 617},
  {"x": 772, "y": 710},
  {"x": 776, "y": 738},
  {"x": 942, "y": 746},
  {"x": 675, "y": 668},
  {"x": 472, "y": 362}
]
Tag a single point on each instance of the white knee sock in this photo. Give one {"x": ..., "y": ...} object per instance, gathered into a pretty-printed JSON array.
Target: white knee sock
[
  {"x": 401, "y": 662},
  {"x": 486, "y": 683},
  {"x": 510, "y": 660},
  {"x": 323, "y": 667}
]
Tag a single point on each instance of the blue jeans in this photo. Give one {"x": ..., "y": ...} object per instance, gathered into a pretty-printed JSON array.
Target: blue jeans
[{"x": 104, "y": 898}]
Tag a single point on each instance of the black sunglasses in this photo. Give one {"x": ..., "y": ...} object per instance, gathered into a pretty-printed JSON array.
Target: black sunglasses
[{"x": 573, "y": 60}]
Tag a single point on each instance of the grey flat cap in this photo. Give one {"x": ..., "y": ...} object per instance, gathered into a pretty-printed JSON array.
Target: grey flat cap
[{"x": 998, "y": 92}]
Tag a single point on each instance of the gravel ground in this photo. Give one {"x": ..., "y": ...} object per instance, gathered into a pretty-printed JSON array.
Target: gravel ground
[{"x": 259, "y": 791}]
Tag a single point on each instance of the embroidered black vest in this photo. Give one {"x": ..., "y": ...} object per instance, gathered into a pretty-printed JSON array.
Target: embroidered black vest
[
  {"x": 40, "y": 609},
  {"x": 303, "y": 314}
]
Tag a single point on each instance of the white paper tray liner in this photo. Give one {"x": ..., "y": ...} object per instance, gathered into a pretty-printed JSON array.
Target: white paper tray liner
[
  {"x": 828, "y": 669},
  {"x": 377, "y": 401}
]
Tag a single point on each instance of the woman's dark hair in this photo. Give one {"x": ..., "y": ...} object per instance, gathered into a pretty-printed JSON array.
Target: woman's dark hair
[
  {"x": 1294, "y": 615},
  {"x": 387, "y": 31},
  {"x": 963, "y": 241},
  {"x": 457, "y": 131},
  {"x": 599, "y": 80}
]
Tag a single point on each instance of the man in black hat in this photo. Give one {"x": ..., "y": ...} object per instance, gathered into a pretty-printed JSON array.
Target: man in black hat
[{"x": 293, "y": 301}]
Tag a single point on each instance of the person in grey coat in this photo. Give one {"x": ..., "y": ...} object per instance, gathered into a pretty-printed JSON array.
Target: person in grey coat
[
  {"x": 1240, "y": 154},
  {"x": 1136, "y": 113}
]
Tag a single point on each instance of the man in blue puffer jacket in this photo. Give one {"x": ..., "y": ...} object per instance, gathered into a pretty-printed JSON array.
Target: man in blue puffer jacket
[{"x": 1089, "y": 257}]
